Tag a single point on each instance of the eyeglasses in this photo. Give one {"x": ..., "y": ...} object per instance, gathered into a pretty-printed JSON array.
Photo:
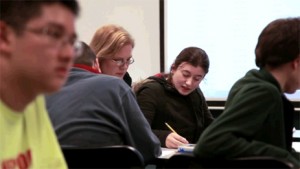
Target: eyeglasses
[
  {"x": 121, "y": 62},
  {"x": 57, "y": 38}
]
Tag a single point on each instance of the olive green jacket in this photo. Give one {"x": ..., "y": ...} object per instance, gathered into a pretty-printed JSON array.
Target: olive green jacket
[{"x": 257, "y": 121}]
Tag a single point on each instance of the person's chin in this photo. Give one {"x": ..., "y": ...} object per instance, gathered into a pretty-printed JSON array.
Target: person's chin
[
  {"x": 184, "y": 92},
  {"x": 55, "y": 86}
]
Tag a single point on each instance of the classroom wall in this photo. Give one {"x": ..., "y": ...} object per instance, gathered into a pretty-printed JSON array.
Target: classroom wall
[{"x": 139, "y": 17}]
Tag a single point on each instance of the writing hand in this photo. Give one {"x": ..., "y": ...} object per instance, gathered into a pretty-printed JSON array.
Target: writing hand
[{"x": 174, "y": 140}]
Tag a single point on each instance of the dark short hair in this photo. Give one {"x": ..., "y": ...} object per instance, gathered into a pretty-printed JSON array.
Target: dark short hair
[
  {"x": 194, "y": 56},
  {"x": 17, "y": 13},
  {"x": 87, "y": 56},
  {"x": 278, "y": 43}
]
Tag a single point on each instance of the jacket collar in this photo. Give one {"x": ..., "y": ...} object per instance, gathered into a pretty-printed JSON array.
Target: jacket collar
[
  {"x": 86, "y": 67},
  {"x": 270, "y": 78}
]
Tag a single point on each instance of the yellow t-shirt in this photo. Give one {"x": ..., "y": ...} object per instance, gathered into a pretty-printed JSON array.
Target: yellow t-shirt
[{"x": 27, "y": 139}]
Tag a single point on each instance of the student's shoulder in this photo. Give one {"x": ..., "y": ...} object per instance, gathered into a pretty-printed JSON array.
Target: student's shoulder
[
  {"x": 79, "y": 77},
  {"x": 109, "y": 81},
  {"x": 107, "y": 78},
  {"x": 256, "y": 89},
  {"x": 149, "y": 84}
]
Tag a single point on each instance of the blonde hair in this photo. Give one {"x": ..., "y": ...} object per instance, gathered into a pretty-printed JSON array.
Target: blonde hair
[{"x": 109, "y": 39}]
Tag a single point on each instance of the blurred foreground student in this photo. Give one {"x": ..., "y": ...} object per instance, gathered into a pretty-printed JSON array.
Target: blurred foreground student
[
  {"x": 36, "y": 53},
  {"x": 258, "y": 118},
  {"x": 177, "y": 100},
  {"x": 94, "y": 110},
  {"x": 113, "y": 46}
]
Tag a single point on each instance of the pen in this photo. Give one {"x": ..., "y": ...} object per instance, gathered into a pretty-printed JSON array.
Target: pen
[{"x": 170, "y": 128}]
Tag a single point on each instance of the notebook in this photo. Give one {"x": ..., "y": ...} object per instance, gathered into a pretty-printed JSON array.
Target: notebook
[{"x": 187, "y": 148}]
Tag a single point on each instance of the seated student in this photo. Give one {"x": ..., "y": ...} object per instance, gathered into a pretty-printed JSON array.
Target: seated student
[
  {"x": 177, "y": 100},
  {"x": 36, "y": 52},
  {"x": 113, "y": 46},
  {"x": 87, "y": 60},
  {"x": 99, "y": 110},
  {"x": 258, "y": 118}
]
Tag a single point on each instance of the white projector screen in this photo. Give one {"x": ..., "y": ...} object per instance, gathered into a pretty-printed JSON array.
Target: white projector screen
[{"x": 227, "y": 30}]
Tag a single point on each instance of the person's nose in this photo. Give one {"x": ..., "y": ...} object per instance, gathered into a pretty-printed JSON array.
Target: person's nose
[
  {"x": 189, "y": 81},
  {"x": 125, "y": 66}
]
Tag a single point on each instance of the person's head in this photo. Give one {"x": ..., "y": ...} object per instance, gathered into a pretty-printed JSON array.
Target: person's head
[
  {"x": 279, "y": 45},
  {"x": 113, "y": 46},
  {"x": 36, "y": 42},
  {"x": 189, "y": 69},
  {"x": 87, "y": 56}
]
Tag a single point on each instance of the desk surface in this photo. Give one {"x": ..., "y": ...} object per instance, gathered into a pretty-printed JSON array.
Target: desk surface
[
  {"x": 167, "y": 152},
  {"x": 296, "y": 146}
]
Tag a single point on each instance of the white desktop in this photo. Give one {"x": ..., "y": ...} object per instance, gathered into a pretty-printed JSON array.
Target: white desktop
[{"x": 168, "y": 152}]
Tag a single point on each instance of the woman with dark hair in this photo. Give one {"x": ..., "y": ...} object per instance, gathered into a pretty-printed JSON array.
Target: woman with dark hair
[{"x": 176, "y": 99}]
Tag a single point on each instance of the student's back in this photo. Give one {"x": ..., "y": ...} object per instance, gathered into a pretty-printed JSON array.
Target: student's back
[
  {"x": 98, "y": 117},
  {"x": 94, "y": 110}
]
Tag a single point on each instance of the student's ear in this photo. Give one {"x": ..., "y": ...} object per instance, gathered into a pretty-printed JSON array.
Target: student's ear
[
  {"x": 5, "y": 38},
  {"x": 296, "y": 63}
]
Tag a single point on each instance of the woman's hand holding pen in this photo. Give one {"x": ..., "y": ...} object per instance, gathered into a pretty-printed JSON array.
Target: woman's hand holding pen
[{"x": 174, "y": 140}]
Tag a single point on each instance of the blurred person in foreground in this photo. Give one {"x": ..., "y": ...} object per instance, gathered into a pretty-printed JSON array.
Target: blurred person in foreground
[{"x": 36, "y": 52}]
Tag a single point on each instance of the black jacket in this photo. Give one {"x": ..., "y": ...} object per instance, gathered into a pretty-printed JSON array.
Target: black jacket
[
  {"x": 127, "y": 79},
  {"x": 160, "y": 102}
]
